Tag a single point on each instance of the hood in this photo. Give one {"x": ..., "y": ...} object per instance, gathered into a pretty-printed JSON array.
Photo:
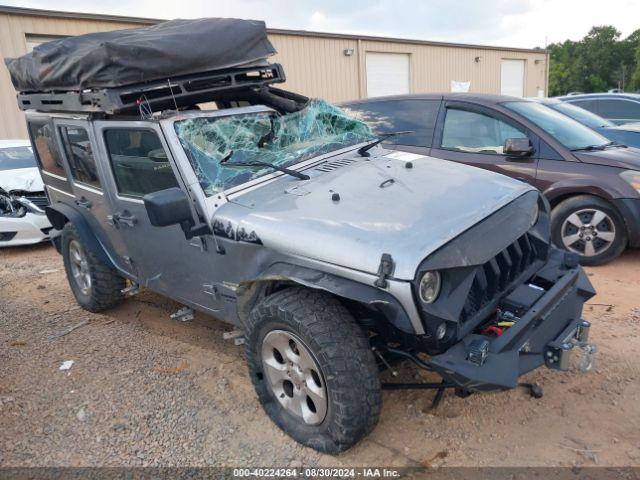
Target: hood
[
  {"x": 21, "y": 179},
  {"x": 612, "y": 157},
  {"x": 354, "y": 209}
]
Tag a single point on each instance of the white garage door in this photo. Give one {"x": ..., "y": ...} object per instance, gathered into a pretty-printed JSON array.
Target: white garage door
[
  {"x": 387, "y": 74},
  {"x": 512, "y": 78}
]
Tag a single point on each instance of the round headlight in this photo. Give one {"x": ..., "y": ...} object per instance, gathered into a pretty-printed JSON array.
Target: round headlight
[{"x": 429, "y": 287}]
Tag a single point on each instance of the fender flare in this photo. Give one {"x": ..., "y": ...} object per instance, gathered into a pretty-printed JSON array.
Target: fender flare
[
  {"x": 60, "y": 213},
  {"x": 572, "y": 188},
  {"x": 248, "y": 293}
]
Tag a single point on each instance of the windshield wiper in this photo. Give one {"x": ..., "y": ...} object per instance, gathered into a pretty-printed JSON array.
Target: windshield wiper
[
  {"x": 590, "y": 148},
  {"x": 225, "y": 161},
  {"x": 363, "y": 151}
]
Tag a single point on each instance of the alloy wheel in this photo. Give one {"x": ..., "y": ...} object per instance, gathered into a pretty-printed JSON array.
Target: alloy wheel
[
  {"x": 79, "y": 267},
  {"x": 294, "y": 376},
  {"x": 588, "y": 232}
]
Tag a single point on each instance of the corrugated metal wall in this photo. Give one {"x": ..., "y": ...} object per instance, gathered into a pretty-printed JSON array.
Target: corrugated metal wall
[{"x": 315, "y": 65}]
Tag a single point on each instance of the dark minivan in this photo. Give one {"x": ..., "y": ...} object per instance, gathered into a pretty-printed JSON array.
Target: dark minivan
[{"x": 592, "y": 184}]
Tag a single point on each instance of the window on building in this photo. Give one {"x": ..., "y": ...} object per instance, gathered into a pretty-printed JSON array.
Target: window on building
[
  {"x": 476, "y": 132},
  {"x": 43, "y": 140},
  {"x": 139, "y": 162},
  {"x": 79, "y": 152}
]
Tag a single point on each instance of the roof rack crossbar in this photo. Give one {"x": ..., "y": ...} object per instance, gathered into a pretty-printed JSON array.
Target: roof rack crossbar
[{"x": 159, "y": 95}]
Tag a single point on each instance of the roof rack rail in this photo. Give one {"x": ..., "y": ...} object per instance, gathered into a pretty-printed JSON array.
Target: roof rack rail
[{"x": 157, "y": 95}]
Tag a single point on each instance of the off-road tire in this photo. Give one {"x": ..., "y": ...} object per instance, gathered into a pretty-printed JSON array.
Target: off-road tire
[
  {"x": 106, "y": 283},
  {"x": 343, "y": 353},
  {"x": 580, "y": 202}
]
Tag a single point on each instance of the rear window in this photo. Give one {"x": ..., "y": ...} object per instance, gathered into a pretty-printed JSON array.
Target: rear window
[
  {"x": 12, "y": 158},
  {"x": 416, "y": 116},
  {"x": 43, "y": 140}
]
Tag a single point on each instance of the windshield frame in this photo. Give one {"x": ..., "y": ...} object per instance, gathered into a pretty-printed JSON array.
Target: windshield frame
[
  {"x": 574, "y": 124},
  {"x": 169, "y": 126}
]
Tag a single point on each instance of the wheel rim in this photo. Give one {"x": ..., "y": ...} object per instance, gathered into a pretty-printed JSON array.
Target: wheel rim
[
  {"x": 79, "y": 267},
  {"x": 294, "y": 376},
  {"x": 588, "y": 232}
]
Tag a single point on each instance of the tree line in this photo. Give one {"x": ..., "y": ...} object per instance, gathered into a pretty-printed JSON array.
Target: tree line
[{"x": 601, "y": 61}]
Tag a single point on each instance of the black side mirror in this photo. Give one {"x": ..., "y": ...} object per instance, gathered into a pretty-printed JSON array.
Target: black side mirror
[
  {"x": 171, "y": 207},
  {"x": 518, "y": 147}
]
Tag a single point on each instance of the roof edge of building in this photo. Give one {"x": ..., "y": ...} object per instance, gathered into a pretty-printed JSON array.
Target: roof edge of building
[{"x": 346, "y": 36}]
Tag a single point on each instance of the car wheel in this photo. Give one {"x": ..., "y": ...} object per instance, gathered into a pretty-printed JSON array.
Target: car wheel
[
  {"x": 590, "y": 227},
  {"x": 95, "y": 285},
  {"x": 313, "y": 369}
]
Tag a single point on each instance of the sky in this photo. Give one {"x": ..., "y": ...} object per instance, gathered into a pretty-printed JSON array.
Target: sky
[{"x": 512, "y": 23}]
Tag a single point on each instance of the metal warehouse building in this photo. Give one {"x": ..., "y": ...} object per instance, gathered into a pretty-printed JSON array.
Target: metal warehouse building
[{"x": 336, "y": 67}]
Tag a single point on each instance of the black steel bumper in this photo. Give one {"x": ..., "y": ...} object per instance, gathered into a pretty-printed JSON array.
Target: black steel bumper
[
  {"x": 544, "y": 335},
  {"x": 629, "y": 208}
]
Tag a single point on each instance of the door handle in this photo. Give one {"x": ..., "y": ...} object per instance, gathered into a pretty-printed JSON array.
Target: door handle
[
  {"x": 523, "y": 179},
  {"x": 83, "y": 202},
  {"x": 124, "y": 218}
]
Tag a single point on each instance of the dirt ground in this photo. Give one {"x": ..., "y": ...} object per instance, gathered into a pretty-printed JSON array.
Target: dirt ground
[{"x": 148, "y": 390}]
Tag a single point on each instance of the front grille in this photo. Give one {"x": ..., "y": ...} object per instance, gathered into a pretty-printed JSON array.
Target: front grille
[
  {"x": 39, "y": 199},
  {"x": 494, "y": 277}
]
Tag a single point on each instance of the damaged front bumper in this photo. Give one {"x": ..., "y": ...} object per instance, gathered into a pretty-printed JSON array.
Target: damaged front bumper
[
  {"x": 545, "y": 334},
  {"x": 26, "y": 230}
]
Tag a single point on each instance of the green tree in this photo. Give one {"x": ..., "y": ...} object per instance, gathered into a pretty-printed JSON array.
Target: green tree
[{"x": 598, "y": 62}]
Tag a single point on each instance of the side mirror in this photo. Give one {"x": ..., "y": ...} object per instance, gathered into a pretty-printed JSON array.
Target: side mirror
[
  {"x": 171, "y": 207},
  {"x": 517, "y": 147}
]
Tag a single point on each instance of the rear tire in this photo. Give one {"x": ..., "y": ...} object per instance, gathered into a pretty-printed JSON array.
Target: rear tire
[
  {"x": 95, "y": 285},
  {"x": 302, "y": 330},
  {"x": 590, "y": 227}
]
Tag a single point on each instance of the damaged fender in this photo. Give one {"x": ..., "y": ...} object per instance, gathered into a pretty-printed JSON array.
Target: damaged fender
[{"x": 250, "y": 292}]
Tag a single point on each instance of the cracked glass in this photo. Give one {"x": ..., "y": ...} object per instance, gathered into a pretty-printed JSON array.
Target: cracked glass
[{"x": 282, "y": 140}]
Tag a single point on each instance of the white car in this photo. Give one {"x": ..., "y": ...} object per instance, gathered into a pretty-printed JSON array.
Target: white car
[{"x": 22, "y": 197}]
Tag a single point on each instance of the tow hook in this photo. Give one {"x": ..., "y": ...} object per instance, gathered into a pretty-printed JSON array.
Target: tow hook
[{"x": 558, "y": 354}]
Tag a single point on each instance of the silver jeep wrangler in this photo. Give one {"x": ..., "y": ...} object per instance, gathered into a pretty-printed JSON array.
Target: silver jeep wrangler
[{"x": 335, "y": 257}]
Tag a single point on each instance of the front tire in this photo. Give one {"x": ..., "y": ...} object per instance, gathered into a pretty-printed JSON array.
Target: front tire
[
  {"x": 95, "y": 285},
  {"x": 590, "y": 227},
  {"x": 313, "y": 369}
]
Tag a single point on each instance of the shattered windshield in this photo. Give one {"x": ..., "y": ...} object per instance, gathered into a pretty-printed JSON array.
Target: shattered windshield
[{"x": 266, "y": 137}]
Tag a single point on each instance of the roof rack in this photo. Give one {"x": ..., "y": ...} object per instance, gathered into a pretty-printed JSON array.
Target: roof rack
[{"x": 158, "y": 95}]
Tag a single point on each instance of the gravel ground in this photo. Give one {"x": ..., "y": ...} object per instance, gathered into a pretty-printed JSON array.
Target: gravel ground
[{"x": 147, "y": 390}]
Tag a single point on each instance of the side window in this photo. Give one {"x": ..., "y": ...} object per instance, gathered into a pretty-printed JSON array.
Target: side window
[
  {"x": 416, "y": 116},
  {"x": 46, "y": 149},
  {"x": 473, "y": 132},
  {"x": 139, "y": 162},
  {"x": 619, "y": 109},
  {"x": 77, "y": 147},
  {"x": 591, "y": 105}
]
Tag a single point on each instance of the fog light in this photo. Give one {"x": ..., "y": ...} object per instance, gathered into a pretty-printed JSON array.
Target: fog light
[
  {"x": 430, "y": 287},
  {"x": 441, "y": 331}
]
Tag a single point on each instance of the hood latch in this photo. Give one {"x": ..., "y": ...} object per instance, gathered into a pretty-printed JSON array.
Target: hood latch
[{"x": 385, "y": 270}]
